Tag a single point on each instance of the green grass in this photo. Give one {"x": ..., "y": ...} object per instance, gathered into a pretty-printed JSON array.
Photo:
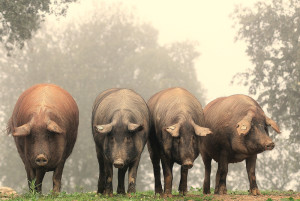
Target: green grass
[
  {"x": 275, "y": 192},
  {"x": 241, "y": 192},
  {"x": 194, "y": 194}
]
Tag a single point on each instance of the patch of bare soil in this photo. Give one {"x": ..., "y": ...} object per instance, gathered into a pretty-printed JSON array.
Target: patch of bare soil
[
  {"x": 244, "y": 197},
  {"x": 250, "y": 197},
  {"x": 6, "y": 192}
]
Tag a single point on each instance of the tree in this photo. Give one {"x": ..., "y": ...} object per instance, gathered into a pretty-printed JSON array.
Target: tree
[
  {"x": 20, "y": 19},
  {"x": 272, "y": 33},
  {"x": 110, "y": 49}
]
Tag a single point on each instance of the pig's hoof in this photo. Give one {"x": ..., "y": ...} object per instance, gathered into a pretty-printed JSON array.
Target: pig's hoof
[
  {"x": 183, "y": 192},
  {"x": 121, "y": 191},
  {"x": 55, "y": 193},
  {"x": 108, "y": 193},
  {"x": 206, "y": 191},
  {"x": 129, "y": 195},
  {"x": 130, "y": 191},
  {"x": 222, "y": 190},
  {"x": 158, "y": 191},
  {"x": 255, "y": 191},
  {"x": 167, "y": 195}
]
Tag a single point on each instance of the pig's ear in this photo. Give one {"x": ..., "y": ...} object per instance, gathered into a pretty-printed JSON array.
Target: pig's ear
[
  {"x": 173, "y": 130},
  {"x": 273, "y": 124},
  {"x": 103, "y": 129},
  {"x": 53, "y": 127},
  {"x": 199, "y": 130},
  {"x": 202, "y": 131},
  {"x": 22, "y": 131},
  {"x": 244, "y": 125},
  {"x": 134, "y": 127}
]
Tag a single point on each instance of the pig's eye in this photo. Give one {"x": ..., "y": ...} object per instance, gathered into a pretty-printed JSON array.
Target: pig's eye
[
  {"x": 51, "y": 133},
  {"x": 251, "y": 130}
]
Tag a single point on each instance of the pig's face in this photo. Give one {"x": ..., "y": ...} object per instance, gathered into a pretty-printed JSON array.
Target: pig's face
[
  {"x": 251, "y": 135},
  {"x": 121, "y": 143},
  {"x": 183, "y": 141},
  {"x": 257, "y": 139},
  {"x": 45, "y": 142},
  {"x": 185, "y": 147}
]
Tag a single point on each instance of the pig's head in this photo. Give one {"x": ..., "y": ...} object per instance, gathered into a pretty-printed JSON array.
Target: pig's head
[
  {"x": 122, "y": 139},
  {"x": 252, "y": 132},
  {"x": 45, "y": 141},
  {"x": 184, "y": 141}
]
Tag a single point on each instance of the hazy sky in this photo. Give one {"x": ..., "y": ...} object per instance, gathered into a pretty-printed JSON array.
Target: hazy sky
[{"x": 207, "y": 22}]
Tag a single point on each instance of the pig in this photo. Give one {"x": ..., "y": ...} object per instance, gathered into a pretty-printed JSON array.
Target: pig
[
  {"x": 177, "y": 122},
  {"x": 44, "y": 126},
  {"x": 240, "y": 130},
  {"x": 120, "y": 127}
]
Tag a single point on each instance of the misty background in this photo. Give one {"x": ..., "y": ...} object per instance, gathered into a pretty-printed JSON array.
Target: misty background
[{"x": 212, "y": 49}]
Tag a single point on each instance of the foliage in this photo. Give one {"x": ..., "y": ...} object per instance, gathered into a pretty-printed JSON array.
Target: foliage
[
  {"x": 20, "y": 19},
  {"x": 272, "y": 33},
  {"x": 111, "y": 48}
]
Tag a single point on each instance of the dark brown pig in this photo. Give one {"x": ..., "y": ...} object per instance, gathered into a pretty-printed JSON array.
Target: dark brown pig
[
  {"x": 44, "y": 126},
  {"x": 120, "y": 124},
  {"x": 176, "y": 122},
  {"x": 240, "y": 130}
]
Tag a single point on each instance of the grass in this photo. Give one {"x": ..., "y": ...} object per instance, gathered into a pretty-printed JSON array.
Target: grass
[{"x": 194, "y": 194}]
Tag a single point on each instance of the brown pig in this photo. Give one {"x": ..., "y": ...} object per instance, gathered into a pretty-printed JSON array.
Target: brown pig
[
  {"x": 240, "y": 130},
  {"x": 176, "y": 124},
  {"x": 120, "y": 125},
  {"x": 44, "y": 125}
]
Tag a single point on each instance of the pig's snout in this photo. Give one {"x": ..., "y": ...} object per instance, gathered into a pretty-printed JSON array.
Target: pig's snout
[
  {"x": 119, "y": 163},
  {"x": 188, "y": 164},
  {"x": 269, "y": 146},
  {"x": 41, "y": 160}
]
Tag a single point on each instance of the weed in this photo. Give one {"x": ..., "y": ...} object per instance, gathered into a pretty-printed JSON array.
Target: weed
[{"x": 288, "y": 199}]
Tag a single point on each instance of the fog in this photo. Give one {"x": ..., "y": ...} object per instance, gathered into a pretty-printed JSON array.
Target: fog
[{"x": 146, "y": 46}]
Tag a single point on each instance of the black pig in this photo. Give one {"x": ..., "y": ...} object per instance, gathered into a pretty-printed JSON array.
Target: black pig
[
  {"x": 176, "y": 122},
  {"x": 120, "y": 125}
]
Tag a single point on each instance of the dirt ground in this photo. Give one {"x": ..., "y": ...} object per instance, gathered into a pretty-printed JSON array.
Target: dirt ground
[
  {"x": 249, "y": 197},
  {"x": 274, "y": 196},
  {"x": 245, "y": 197}
]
